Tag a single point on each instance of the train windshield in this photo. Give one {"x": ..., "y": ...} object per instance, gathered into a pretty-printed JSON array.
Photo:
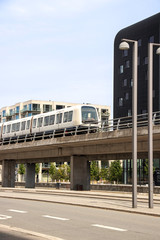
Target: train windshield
[{"x": 89, "y": 114}]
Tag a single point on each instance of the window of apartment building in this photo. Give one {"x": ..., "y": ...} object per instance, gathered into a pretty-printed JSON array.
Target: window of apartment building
[
  {"x": 127, "y": 64},
  {"x": 126, "y": 96},
  {"x": 29, "y": 114},
  {"x": 30, "y": 107},
  {"x": 125, "y": 82},
  {"x": 47, "y": 108},
  {"x": 36, "y": 107},
  {"x": 17, "y": 116},
  {"x": 10, "y": 111},
  {"x": 17, "y": 109},
  {"x": 25, "y": 107},
  {"x": 151, "y": 39},
  {"x": 59, "y": 107},
  {"x": 120, "y": 102},
  {"x": 4, "y": 113},
  {"x": 139, "y": 42}
]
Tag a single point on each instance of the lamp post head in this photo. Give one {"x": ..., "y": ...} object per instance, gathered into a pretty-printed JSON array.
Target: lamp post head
[
  {"x": 123, "y": 46},
  {"x": 158, "y": 51}
]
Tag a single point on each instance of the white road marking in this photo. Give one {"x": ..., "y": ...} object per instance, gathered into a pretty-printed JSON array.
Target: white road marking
[
  {"x": 37, "y": 234},
  {"x": 57, "y": 218},
  {"x": 111, "y": 228},
  {"x": 4, "y": 217},
  {"x": 17, "y": 211}
]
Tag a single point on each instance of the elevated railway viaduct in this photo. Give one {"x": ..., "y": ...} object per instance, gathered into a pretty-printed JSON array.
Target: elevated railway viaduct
[{"x": 79, "y": 150}]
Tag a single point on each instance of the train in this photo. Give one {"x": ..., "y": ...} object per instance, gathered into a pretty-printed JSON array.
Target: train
[{"x": 67, "y": 121}]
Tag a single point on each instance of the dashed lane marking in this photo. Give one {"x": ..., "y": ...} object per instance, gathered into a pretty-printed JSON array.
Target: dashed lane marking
[
  {"x": 4, "y": 217},
  {"x": 111, "y": 228},
  {"x": 17, "y": 211},
  {"x": 57, "y": 218}
]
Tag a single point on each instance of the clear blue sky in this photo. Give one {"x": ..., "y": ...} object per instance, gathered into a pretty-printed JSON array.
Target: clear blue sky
[{"x": 62, "y": 50}]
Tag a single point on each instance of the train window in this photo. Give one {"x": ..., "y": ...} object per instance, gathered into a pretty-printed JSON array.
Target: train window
[
  {"x": 65, "y": 118},
  {"x": 17, "y": 127},
  {"x": 46, "y": 121},
  {"x": 34, "y": 123},
  {"x": 59, "y": 118},
  {"x": 4, "y": 129},
  {"x": 51, "y": 121},
  {"x": 13, "y": 127},
  {"x": 40, "y": 121},
  {"x": 28, "y": 124},
  {"x": 8, "y": 128},
  {"x": 23, "y": 125},
  {"x": 70, "y": 116}
]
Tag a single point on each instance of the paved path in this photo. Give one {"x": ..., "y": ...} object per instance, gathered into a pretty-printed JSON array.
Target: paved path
[{"x": 117, "y": 201}]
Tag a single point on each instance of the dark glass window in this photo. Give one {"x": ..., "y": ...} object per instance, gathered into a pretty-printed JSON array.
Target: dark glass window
[
  {"x": 59, "y": 118},
  {"x": 51, "y": 120},
  {"x": 28, "y": 124},
  {"x": 125, "y": 53},
  {"x": 120, "y": 102},
  {"x": 127, "y": 64},
  {"x": 46, "y": 121},
  {"x": 70, "y": 115},
  {"x": 40, "y": 121},
  {"x": 151, "y": 39},
  {"x": 124, "y": 82},
  {"x": 121, "y": 69},
  {"x": 8, "y": 128},
  {"x": 139, "y": 42},
  {"x": 34, "y": 123},
  {"x": 23, "y": 124}
]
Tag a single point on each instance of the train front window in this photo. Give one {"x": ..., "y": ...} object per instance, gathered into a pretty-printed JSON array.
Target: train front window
[{"x": 89, "y": 114}]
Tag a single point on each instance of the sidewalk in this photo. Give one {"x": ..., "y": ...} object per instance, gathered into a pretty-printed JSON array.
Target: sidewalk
[{"x": 117, "y": 201}]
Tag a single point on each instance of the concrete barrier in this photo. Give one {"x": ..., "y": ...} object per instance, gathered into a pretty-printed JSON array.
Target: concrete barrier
[{"x": 96, "y": 187}]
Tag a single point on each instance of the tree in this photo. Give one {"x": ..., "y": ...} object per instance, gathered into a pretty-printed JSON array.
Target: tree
[
  {"x": 115, "y": 171},
  {"x": 104, "y": 173},
  {"x": 52, "y": 171},
  {"x": 37, "y": 168},
  {"x": 21, "y": 170},
  {"x": 94, "y": 171}
]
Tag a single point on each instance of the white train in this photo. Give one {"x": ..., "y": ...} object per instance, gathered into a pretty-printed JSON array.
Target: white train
[{"x": 57, "y": 123}]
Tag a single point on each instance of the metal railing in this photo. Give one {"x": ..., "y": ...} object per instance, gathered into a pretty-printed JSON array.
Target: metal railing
[{"x": 104, "y": 126}]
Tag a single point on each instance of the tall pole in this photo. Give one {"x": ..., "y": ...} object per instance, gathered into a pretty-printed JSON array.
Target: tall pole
[
  {"x": 150, "y": 124},
  {"x": 134, "y": 127},
  {"x": 125, "y": 46}
]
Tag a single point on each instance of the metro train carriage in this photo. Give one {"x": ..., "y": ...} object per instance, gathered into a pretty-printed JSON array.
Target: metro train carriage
[{"x": 78, "y": 119}]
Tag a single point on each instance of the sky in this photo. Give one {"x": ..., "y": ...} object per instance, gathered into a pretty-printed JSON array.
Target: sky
[{"x": 62, "y": 50}]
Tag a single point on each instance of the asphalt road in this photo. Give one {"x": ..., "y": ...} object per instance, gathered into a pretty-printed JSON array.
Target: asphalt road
[{"x": 72, "y": 222}]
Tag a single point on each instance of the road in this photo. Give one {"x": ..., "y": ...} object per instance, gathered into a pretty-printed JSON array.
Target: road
[{"x": 74, "y": 222}]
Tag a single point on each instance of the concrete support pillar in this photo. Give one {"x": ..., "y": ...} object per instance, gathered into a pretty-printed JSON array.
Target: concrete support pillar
[
  {"x": 30, "y": 175},
  {"x": 80, "y": 173},
  {"x": 8, "y": 173}
]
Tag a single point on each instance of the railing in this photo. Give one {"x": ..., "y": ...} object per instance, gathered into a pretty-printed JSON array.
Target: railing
[{"x": 109, "y": 125}]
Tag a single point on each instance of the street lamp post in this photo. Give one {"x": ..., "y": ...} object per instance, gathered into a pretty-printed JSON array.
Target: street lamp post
[
  {"x": 125, "y": 46},
  {"x": 150, "y": 122}
]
